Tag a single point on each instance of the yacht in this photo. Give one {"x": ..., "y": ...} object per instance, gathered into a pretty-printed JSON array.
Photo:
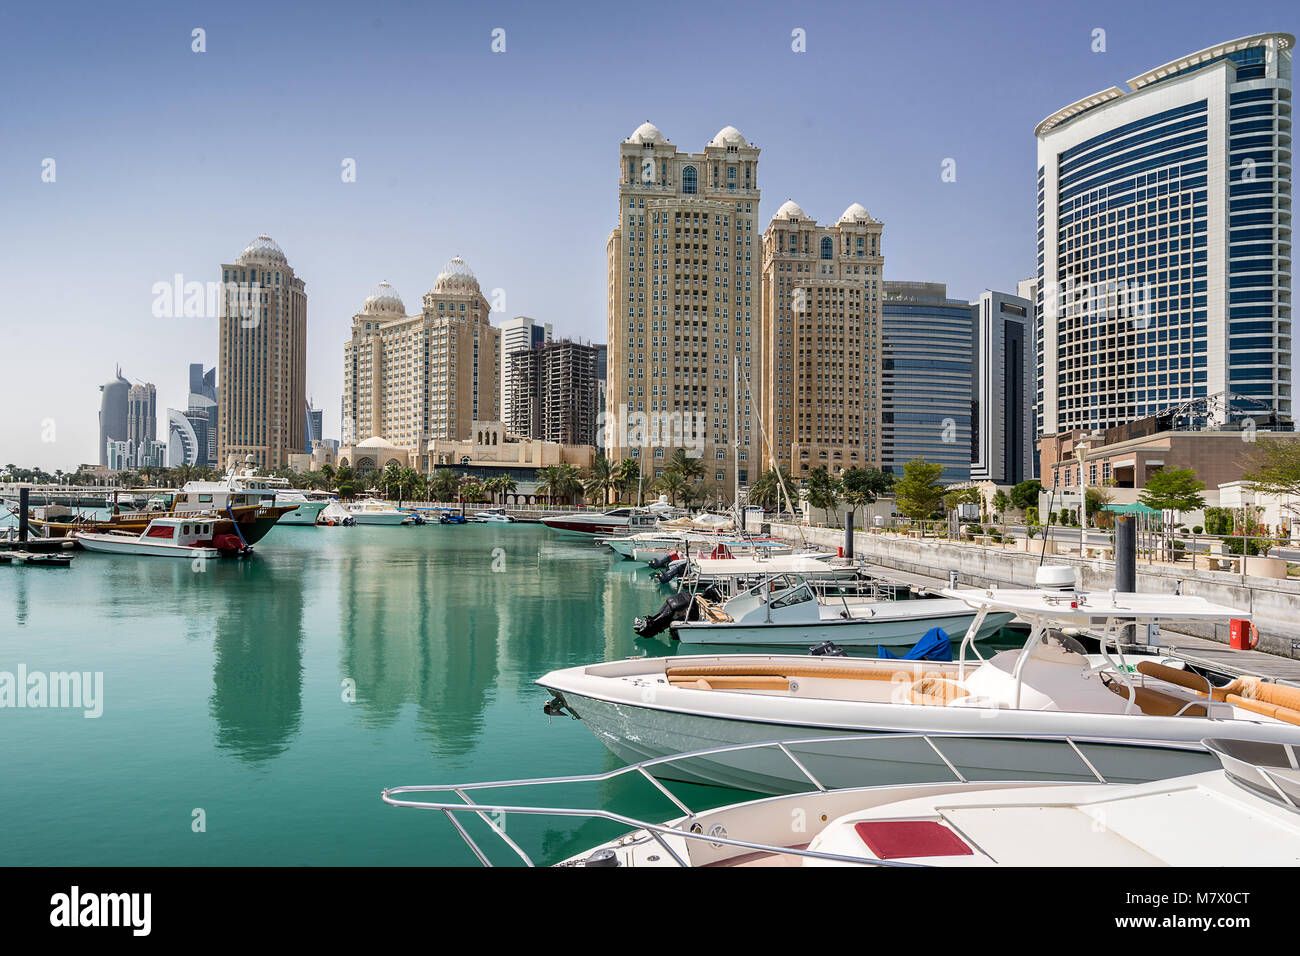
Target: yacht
[
  {"x": 376, "y": 512},
  {"x": 493, "y": 516},
  {"x": 619, "y": 521},
  {"x": 789, "y": 612},
  {"x": 246, "y": 486},
  {"x": 1151, "y": 715},
  {"x": 1243, "y": 812}
]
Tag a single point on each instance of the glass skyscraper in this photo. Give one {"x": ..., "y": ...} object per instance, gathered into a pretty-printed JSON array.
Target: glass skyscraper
[{"x": 1164, "y": 244}]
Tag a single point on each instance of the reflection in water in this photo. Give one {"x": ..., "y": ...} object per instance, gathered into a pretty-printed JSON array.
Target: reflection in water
[{"x": 257, "y": 674}]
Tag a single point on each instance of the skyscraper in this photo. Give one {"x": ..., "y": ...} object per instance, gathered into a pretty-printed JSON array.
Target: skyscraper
[
  {"x": 202, "y": 411},
  {"x": 1164, "y": 223},
  {"x": 414, "y": 379},
  {"x": 517, "y": 334},
  {"x": 142, "y": 414},
  {"x": 263, "y": 358},
  {"x": 112, "y": 414},
  {"x": 1002, "y": 389},
  {"x": 555, "y": 390},
  {"x": 683, "y": 305},
  {"x": 821, "y": 340},
  {"x": 925, "y": 379}
]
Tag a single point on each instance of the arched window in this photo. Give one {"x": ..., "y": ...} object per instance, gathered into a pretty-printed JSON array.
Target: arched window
[
  {"x": 828, "y": 249},
  {"x": 690, "y": 182}
]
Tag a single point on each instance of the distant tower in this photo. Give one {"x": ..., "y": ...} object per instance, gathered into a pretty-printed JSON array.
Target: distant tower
[
  {"x": 263, "y": 358},
  {"x": 112, "y": 413}
]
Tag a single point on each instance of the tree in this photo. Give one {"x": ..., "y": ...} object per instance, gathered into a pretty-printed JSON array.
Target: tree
[
  {"x": 672, "y": 483},
  {"x": 1001, "y": 502},
  {"x": 1273, "y": 467},
  {"x": 863, "y": 486},
  {"x": 824, "y": 490},
  {"x": 444, "y": 485},
  {"x": 961, "y": 496},
  {"x": 391, "y": 478},
  {"x": 1176, "y": 490},
  {"x": 601, "y": 480},
  {"x": 766, "y": 491},
  {"x": 327, "y": 476},
  {"x": 1096, "y": 500},
  {"x": 690, "y": 468},
  {"x": 918, "y": 493},
  {"x": 1026, "y": 493},
  {"x": 628, "y": 474}
]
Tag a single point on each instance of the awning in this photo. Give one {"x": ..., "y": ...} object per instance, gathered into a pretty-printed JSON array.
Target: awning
[{"x": 1136, "y": 508}]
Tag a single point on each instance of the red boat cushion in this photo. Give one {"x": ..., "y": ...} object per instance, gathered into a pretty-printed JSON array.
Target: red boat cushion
[
  {"x": 226, "y": 542},
  {"x": 904, "y": 839}
]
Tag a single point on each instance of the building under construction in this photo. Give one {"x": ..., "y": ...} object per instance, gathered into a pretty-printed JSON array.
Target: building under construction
[{"x": 553, "y": 395}]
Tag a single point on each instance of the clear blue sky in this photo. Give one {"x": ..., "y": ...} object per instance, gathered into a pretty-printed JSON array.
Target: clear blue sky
[{"x": 170, "y": 161}]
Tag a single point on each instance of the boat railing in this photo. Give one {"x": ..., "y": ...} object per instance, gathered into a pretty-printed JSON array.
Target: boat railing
[{"x": 686, "y": 829}]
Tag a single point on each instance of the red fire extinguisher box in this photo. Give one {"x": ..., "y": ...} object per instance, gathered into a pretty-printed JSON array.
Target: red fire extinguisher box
[{"x": 1242, "y": 635}]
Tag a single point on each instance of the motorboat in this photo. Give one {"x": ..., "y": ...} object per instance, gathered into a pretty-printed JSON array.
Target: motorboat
[
  {"x": 335, "y": 515},
  {"x": 369, "y": 511},
  {"x": 789, "y": 613},
  {"x": 1153, "y": 716},
  {"x": 246, "y": 487},
  {"x": 1243, "y": 812},
  {"x": 617, "y": 522},
  {"x": 170, "y": 537},
  {"x": 494, "y": 516}
]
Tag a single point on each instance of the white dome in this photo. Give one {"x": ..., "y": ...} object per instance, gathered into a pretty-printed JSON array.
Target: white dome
[
  {"x": 376, "y": 442},
  {"x": 728, "y": 136},
  {"x": 383, "y": 300},
  {"x": 789, "y": 210},
  {"x": 856, "y": 213},
  {"x": 262, "y": 249},
  {"x": 647, "y": 132},
  {"x": 456, "y": 277}
]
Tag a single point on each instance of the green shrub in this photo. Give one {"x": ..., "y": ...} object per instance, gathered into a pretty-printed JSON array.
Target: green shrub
[{"x": 1197, "y": 529}]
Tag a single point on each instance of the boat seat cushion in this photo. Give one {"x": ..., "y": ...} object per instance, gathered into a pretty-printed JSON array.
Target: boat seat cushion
[
  {"x": 908, "y": 673},
  {"x": 1276, "y": 711},
  {"x": 1172, "y": 675},
  {"x": 937, "y": 692},
  {"x": 724, "y": 682},
  {"x": 1156, "y": 703}
]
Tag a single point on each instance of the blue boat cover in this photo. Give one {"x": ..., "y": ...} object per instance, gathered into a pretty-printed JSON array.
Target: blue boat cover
[{"x": 934, "y": 646}]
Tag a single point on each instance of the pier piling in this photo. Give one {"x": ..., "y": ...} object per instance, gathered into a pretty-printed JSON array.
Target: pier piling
[
  {"x": 23, "y": 498},
  {"x": 1125, "y": 553},
  {"x": 848, "y": 534}
]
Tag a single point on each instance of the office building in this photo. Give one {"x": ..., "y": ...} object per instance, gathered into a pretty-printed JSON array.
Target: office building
[
  {"x": 112, "y": 414},
  {"x": 1002, "y": 389},
  {"x": 517, "y": 334}
]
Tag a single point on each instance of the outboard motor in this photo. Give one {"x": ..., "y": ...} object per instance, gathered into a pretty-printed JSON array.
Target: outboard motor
[
  {"x": 671, "y": 573},
  {"x": 663, "y": 561},
  {"x": 827, "y": 649},
  {"x": 673, "y": 609}
]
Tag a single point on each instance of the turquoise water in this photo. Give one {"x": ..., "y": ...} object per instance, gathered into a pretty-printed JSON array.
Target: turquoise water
[{"x": 223, "y": 691}]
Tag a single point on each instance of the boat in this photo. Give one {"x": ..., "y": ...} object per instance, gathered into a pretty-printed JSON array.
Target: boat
[
  {"x": 246, "y": 487},
  {"x": 785, "y": 611},
  {"x": 813, "y": 565},
  {"x": 493, "y": 516},
  {"x": 335, "y": 515},
  {"x": 243, "y": 515},
  {"x": 618, "y": 522},
  {"x": 376, "y": 512},
  {"x": 169, "y": 537},
  {"x": 448, "y": 516},
  {"x": 1153, "y": 716},
  {"x": 1243, "y": 812}
]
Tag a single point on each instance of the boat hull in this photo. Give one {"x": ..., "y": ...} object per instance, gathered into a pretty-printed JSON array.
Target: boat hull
[
  {"x": 585, "y": 529},
  {"x": 360, "y": 517},
  {"x": 305, "y": 514},
  {"x": 902, "y": 631},
  {"x": 122, "y": 544}
]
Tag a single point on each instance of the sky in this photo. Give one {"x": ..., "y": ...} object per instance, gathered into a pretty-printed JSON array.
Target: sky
[{"x": 168, "y": 161}]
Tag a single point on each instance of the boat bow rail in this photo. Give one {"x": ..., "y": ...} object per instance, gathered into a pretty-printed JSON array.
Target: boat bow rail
[{"x": 687, "y": 829}]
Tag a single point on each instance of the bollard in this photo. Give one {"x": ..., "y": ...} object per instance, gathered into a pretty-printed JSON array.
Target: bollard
[
  {"x": 848, "y": 535},
  {"x": 1125, "y": 553},
  {"x": 23, "y": 498}
]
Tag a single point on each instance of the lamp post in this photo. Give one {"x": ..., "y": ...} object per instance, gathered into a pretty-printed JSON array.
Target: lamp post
[{"x": 1080, "y": 448}]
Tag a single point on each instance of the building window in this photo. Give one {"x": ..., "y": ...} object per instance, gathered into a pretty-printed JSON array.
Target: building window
[
  {"x": 828, "y": 250},
  {"x": 690, "y": 181}
]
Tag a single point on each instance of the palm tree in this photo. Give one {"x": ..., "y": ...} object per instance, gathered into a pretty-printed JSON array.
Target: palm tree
[
  {"x": 601, "y": 479},
  {"x": 673, "y": 484},
  {"x": 692, "y": 469},
  {"x": 628, "y": 474},
  {"x": 327, "y": 476},
  {"x": 391, "y": 478},
  {"x": 444, "y": 486},
  {"x": 766, "y": 491}
]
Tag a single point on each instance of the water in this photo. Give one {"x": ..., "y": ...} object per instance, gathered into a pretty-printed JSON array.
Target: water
[{"x": 224, "y": 697}]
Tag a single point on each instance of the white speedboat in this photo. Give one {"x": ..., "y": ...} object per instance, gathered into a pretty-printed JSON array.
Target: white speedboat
[
  {"x": 790, "y": 613},
  {"x": 1244, "y": 813},
  {"x": 493, "y": 516},
  {"x": 1152, "y": 718},
  {"x": 167, "y": 538},
  {"x": 617, "y": 522},
  {"x": 376, "y": 512}
]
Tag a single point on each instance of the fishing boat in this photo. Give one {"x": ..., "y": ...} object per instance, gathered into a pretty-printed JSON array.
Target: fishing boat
[
  {"x": 1152, "y": 716},
  {"x": 167, "y": 538},
  {"x": 788, "y": 612},
  {"x": 1244, "y": 812},
  {"x": 493, "y": 516},
  {"x": 614, "y": 523}
]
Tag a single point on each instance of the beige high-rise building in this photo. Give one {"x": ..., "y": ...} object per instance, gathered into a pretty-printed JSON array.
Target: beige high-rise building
[
  {"x": 263, "y": 358},
  {"x": 821, "y": 341},
  {"x": 416, "y": 379},
  {"x": 683, "y": 310}
]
